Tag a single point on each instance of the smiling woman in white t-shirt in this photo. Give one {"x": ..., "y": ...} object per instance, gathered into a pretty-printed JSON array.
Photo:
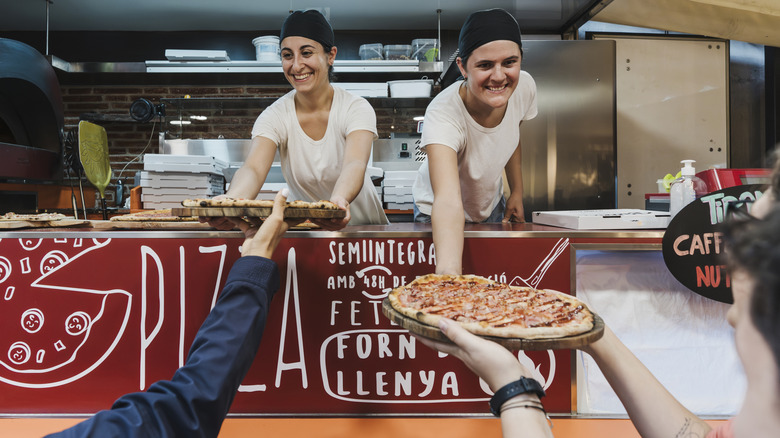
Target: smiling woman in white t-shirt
[
  {"x": 323, "y": 133},
  {"x": 472, "y": 134}
]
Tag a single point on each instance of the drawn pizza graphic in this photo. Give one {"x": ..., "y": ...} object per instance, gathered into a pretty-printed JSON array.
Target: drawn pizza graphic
[{"x": 49, "y": 322}]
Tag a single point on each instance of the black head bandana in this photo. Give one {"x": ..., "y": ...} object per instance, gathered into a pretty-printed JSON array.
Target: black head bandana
[
  {"x": 482, "y": 27},
  {"x": 308, "y": 24}
]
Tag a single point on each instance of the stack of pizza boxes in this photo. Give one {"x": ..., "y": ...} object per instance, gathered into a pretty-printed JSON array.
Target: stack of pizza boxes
[
  {"x": 168, "y": 179},
  {"x": 397, "y": 190}
]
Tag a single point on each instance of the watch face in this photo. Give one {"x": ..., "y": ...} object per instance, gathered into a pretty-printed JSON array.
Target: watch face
[{"x": 531, "y": 385}]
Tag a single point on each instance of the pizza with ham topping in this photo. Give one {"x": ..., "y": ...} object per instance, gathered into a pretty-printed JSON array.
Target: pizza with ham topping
[{"x": 488, "y": 308}]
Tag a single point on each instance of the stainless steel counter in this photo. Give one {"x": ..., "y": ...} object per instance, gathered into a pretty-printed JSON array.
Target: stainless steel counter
[{"x": 393, "y": 230}]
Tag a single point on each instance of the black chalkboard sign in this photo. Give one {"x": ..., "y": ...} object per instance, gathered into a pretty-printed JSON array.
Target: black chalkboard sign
[{"x": 693, "y": 244}]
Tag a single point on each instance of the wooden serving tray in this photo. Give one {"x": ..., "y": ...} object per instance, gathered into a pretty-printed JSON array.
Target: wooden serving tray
[
  {"x": 431, "y": 332},
  {"x": 315, "y": 213},
  {"x": 150, "y": 225}
]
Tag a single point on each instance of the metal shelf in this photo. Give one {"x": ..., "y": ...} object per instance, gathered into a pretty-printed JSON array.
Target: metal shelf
[
  {"x": 235, "y": 72},
  {"x": 339, "y": 66}
]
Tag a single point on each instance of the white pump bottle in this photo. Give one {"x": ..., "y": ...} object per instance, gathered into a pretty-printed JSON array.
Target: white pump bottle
[{"x": 686, "y": 188}]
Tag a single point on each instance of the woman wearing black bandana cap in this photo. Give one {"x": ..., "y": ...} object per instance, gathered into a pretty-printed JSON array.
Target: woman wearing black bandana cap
[
  {"x": 472, "y": 133},
  {"x": 323, "y": 133}
]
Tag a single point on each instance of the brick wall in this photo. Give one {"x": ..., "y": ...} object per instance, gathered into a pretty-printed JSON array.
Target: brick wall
[{"x": 128, "y": 140}]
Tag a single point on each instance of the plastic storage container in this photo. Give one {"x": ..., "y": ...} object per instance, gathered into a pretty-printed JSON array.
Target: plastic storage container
[
  {"x": 267, "y": 48},
  {"x": 425, "y": 49},
  {"x": 398, "y": 51},
  {"x": 370, "y": 52},
  {"x": 686, "y": 188},
  {"x": 411, "y": 88}
]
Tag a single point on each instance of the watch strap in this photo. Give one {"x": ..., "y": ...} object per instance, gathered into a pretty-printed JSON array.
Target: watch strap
[{"x": 513, "y": 389}]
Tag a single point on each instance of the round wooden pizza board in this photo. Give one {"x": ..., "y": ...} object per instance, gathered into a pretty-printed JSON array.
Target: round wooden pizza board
[
  {"x": 513, "y": 344},
  {"x": 316, "y": 213}
]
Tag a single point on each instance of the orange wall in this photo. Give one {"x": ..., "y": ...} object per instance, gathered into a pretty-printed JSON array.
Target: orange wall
[{"x": 364, "y": 428}]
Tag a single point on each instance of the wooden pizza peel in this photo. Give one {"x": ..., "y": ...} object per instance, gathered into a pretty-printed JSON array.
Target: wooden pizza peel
[
  {"x": 513, "y": 344},
  {"x": 93, "y": 153}
]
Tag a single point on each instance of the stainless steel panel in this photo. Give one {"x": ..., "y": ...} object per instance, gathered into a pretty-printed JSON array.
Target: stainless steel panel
[
  {"x": 747, "y": 105},
  {"x": 398, "y": 153},
  {"x": 229, "y": 150},
  {"x": 569, "y": 148}
]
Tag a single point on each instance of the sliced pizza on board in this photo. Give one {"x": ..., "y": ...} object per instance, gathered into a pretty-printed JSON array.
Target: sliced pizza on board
[
  {"x": 261, "y": 208},
  {"x": 516, "y": 317}
]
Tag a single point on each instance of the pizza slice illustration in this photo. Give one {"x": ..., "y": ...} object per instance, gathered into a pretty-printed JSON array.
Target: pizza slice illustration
[{"x": 53, "y": 332}]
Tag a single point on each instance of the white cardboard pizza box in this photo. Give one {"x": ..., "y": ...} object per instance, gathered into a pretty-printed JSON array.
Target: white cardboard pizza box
[
  {"x": 607, "y": 219},
  {"x": 399, "y": 178},
  {"x": 184, "y": 163},
  {"x": 181, "y": 179},
  {"x": 398, "y": 190},
  {"x": 196, "y": 193},
  {"x": 397, "y": 206},
  {"x": 399, "y": 199}
]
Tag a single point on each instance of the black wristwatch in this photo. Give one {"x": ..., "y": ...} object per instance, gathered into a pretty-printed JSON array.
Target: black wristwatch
[{"x": 514, "y": 389}]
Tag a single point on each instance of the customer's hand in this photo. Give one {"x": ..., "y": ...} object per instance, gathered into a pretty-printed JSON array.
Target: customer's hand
[
  {"x": 220, "y": 223},
  {"x": 496, "y": 365},
  {"x": 262, "y": 237}
]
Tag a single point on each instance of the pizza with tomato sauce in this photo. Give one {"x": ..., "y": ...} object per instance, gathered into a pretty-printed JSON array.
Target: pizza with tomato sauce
[{"x": 485, "y": 307}]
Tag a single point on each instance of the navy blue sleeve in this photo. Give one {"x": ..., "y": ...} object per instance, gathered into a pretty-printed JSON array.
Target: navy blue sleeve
[{"x": 195, "y": 401}]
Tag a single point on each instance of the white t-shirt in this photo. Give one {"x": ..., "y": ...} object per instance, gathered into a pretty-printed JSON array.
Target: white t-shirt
[
  {"x": 482, "y": 152},
  {"x": 311, "y": 167}
]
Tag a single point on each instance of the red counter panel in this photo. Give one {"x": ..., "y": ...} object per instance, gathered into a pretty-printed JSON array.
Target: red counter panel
[{"x": 86, "y": 320}]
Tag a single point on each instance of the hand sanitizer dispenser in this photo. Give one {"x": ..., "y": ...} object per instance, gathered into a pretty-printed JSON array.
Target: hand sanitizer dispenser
[{"x": 686, "y": 188}]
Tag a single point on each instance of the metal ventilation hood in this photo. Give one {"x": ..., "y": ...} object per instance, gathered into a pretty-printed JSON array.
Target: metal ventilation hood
[{"x": 546, "y": 16}]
